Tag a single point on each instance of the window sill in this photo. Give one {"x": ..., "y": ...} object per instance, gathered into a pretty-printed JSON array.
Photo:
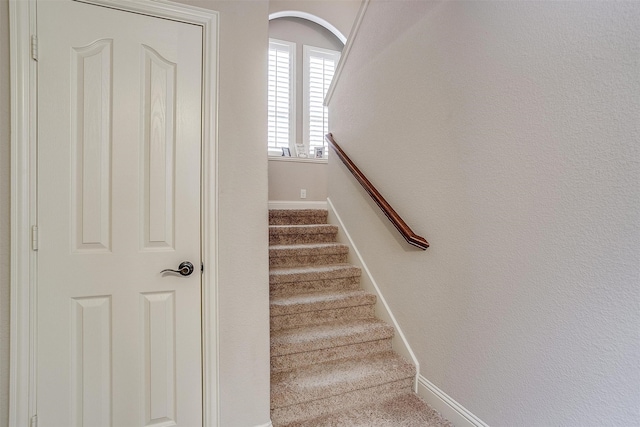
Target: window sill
[{"x": 296, "y": 159}]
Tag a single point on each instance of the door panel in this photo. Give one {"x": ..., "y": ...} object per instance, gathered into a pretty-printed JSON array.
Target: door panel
[
  {"x": 158, "y": 105},
  {"x": 119, "y": 159},
  {"x": 91, "y": 105},
  {"x": 91, "y": 361}
]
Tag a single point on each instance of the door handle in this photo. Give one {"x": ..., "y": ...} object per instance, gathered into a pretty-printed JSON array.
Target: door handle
[{"x": 185, "y": 269}]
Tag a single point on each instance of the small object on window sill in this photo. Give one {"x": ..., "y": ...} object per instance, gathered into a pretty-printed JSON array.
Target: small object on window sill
[
  {"x": 319, "y": 153},
  {"x": 300, "y": 151},
  {"x": 286, "y": 152}
]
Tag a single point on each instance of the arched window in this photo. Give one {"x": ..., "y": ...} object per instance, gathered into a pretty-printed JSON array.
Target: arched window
[{"x": 303, "y": 57}]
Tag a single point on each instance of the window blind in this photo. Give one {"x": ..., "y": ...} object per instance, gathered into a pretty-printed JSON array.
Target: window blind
[
  {"x": 320, "y": 65},
  {"x": 280, "y": 94}
]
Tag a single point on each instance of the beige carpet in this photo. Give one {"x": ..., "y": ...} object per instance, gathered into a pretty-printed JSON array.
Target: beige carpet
[{"x": 331, "y": 360}]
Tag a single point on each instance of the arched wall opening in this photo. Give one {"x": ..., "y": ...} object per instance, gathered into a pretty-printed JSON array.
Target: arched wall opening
[
  {"x": 292, "y": 177},
  {"x": 310, "y": 17}
]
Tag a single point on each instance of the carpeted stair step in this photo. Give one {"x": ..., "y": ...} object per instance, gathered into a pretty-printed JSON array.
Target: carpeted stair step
[
  {"x": 297, "y": 234},
  {"x": 406, "y": 410},
  {"x": 295, "y": 280},
  {"x": 294, "y": 348},
  {"x": 297, "y": 216},
  {"x": 320, "y": 389},
  {"x": 317, "y": 301},
  {"x": 307, "y": 254},
  {"x": 316, "y": 308},
  {"x": 295, "y": 414},
  {"x": 337, "y": 377}
]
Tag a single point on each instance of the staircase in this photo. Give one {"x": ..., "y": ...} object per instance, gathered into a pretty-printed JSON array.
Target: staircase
[{"x": 331, "y": 359}]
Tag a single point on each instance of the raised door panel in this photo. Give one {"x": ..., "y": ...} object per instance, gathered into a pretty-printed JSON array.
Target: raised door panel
[
  {"x": 91, "y": 106},
  {"x": 91, "y": 370},
  {"x": 159, "y": 364},
  {"x": 158, "y": 121}
]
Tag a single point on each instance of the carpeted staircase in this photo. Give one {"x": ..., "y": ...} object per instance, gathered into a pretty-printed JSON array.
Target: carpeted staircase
[{"x": 331, "y": 359}]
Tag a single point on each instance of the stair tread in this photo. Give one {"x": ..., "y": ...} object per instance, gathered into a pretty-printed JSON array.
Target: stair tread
[
  {"x": 316, "y": 301},
  {"x": 289, "y": 212},
  {"x": 300, "y": 254},
  {"x": 297, "y": 216},
  {"x": 302, "y": 234},
  {"x": 312, "y": 272},
  {"x": 333, "y": 334},
  {"x": 310, "y": 248},
  {"x": 337, "y": 377},
  {"x": 303, "y": 228},
  {"x": 405, "y": 410}
]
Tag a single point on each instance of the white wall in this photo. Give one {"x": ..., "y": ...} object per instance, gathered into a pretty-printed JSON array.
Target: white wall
[
  {"x": 5, "y": 193},
  {"x": 242, "y": 191},
  {"x": 507, "y": 134},
  {"x": 288, "y": 177},
  {"x": 243, "y": 268}
]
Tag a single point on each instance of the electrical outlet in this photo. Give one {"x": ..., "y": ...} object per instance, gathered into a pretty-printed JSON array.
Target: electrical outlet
[{"x": 303, "y": 193}]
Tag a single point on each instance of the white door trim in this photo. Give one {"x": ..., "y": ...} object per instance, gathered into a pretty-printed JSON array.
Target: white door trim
[{"x": 22, "y": 20}]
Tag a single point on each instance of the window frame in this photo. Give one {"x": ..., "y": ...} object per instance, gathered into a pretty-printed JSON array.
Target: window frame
[
  {"x": 291, "y": 47},
  {"x": 307, "y": 52}
]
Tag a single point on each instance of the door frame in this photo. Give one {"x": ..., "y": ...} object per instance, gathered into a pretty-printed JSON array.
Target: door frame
[{"x": 24, "y": 255}]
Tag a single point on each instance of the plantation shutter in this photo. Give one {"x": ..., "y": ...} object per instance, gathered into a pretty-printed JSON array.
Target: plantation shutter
[
  {"x": 280, "y": 94},
  {"x": 320, "y": 65}
]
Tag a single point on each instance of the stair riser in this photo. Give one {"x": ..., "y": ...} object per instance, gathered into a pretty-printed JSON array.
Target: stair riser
[
  {"x": 282, "y": 308},
  {"x": 322, "y": 316},
  {"x": 293, "y": 414},
  {"x": 313, "y": 273},
  {"x": 295, "y": 288},
  {"x": 300, "y": 238},
  {"x": 301, "y": 340},
  {"x": 297, "y": 360},
  {"x": 293, "y": 341},
  {"x": 293, "y": 219},
  {"x": 300, "y": 260}
]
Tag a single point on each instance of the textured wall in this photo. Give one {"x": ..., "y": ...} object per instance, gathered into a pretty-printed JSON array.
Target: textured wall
[
  {"x": 287, "y": 178},
  {"x": 5, "y": 195},
  {"x": 507, "y": 134}
]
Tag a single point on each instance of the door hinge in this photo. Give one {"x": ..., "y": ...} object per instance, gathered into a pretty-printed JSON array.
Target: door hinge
[
  {"x": 201, "y": 267},
  {"x": 34, "y": 421},
  {"x": 34, "y": 238},
  {"x": 34, "y": 47}
]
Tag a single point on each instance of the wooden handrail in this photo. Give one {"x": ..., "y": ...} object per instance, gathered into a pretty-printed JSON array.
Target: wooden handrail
[{"x": 406, "y": 232}]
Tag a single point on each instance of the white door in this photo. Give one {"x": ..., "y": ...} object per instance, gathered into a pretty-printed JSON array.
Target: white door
[{"x": 119, "y": 166}]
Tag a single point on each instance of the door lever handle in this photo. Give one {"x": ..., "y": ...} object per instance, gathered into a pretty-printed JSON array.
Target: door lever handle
[{"x": 185, "y": 269}]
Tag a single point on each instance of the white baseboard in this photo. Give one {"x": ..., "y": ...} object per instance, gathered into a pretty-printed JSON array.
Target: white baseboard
[
  {"x": 447, "y": 406},
  {"x": 266, "y": 425},
  {"x": 383, "y": 311},
  {"x": 295, "y": 204}
]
